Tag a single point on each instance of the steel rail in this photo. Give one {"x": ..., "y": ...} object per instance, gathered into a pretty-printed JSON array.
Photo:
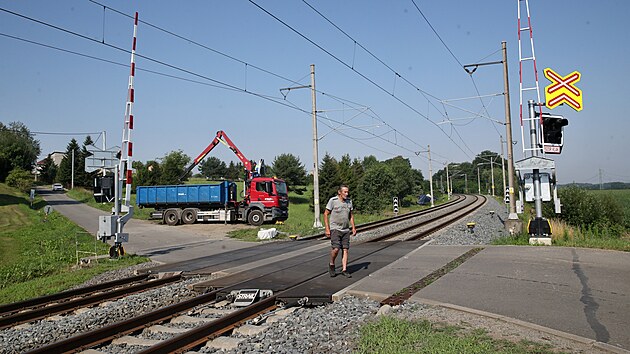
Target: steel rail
[
  {"x": 104, "y": 334},
  {"x": 66, "y": 295},
  {"x": 431, "y": 220},
  {"x": 42, "y": 312},
  {"x": 203, "y": 333},
  {"x": 478, "y": 203}
]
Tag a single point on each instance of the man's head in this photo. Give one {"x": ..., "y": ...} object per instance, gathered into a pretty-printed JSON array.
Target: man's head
[{"x": 342, "y": 192}]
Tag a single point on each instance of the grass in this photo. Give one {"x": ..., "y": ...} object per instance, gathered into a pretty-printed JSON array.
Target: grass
[
  {"x": 39, "y": 251},
  {"x": 392, "y": 335},
  {"x": 569, "y": 236}
]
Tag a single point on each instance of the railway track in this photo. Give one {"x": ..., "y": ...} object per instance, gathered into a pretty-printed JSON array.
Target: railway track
[
  {"x": 422, "y": 222},
  {"x": 42, "y": 307}
]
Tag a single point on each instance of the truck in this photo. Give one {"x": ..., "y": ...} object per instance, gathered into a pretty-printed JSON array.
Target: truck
[{"x": 265, "y": 199}]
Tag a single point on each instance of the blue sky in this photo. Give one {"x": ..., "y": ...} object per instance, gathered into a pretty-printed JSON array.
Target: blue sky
[{"x": 58, "y": 92}]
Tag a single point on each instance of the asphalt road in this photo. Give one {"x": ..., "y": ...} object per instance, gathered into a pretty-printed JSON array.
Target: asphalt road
[{"x": 165, "y": 244}]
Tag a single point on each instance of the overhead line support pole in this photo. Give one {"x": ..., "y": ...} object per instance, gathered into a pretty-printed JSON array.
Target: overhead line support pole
[
  {"x": 317, "y": 223},
  {"x": 316, "y": 205}
]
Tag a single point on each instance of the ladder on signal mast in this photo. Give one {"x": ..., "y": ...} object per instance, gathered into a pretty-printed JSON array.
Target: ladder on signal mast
[{"x": 527, "y": 92}]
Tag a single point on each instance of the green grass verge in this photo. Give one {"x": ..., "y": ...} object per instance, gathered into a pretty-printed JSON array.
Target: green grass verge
[
  {"x": 580, "y": 239},
  {"x": 392, "y": 335},
  {"x": 39, "y": 251}
]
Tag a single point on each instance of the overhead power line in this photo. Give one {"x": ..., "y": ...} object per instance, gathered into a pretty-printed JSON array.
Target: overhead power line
[
  {"x": 217, "y": 83},
  {"x": 458, "y": 62},
  {"x": 357, "y": 72}
]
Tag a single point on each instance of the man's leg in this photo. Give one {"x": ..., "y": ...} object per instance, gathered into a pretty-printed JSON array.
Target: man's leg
[
  {"x": 344, "y": 260},
  {"x": 331, "y": 265},
  {"x": 333, "y": 255}
]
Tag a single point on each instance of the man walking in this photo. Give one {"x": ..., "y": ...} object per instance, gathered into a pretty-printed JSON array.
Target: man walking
[{"x": 339, "y": 209}]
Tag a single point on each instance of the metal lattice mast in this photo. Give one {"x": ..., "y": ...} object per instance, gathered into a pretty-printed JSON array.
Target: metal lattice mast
[
  {"x": 534, "y": 140},
  {"x": 127, "y": 145}
]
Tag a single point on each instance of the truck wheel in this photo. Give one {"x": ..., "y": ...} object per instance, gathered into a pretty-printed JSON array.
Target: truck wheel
[
  {"x": 171, "y": 218},
  {"x": 255, "y": 218},
  {"x": 189, "y": 216}
]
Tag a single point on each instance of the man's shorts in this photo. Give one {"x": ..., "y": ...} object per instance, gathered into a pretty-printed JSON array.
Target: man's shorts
[{"x": 340, "y": 239}]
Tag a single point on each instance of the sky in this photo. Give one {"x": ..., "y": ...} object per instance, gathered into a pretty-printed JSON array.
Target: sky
[{"x": 388, "y": 76}]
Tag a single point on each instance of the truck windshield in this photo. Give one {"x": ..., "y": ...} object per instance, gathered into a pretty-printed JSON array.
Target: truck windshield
[{"x": 281, "y": 187}]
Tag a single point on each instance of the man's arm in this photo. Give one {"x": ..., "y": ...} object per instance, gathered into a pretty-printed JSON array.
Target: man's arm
[
  {"x": 354, "y": 229},
  {"x": 327, "y": 231}
]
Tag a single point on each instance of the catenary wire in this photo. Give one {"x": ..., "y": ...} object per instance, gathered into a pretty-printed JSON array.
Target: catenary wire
[
  {"x": 244, "y": 62},
  {"x": 357, "y": 72},
  {"x": 219, "y": 84}
]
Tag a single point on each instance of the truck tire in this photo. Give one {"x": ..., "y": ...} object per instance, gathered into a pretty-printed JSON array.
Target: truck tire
[
  {"x": 255, "y": 218},
  {"x": 171, "y": 217},
  {"x": 189, "y": 216}
]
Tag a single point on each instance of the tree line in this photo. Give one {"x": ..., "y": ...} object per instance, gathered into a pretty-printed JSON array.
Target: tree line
[{"x": 372, "y": 183}]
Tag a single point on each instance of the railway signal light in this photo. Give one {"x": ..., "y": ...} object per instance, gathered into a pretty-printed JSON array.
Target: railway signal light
[
  {"x": 552, "y": 129},
  {"x": 396, "y": 205},
  {"x": 507, "y": 196}
]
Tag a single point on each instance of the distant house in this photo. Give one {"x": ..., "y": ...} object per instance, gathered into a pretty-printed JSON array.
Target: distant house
[{"x": 56, "y": 156}]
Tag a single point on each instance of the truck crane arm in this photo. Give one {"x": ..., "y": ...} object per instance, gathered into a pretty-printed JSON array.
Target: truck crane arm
[{"x": 221, "y": 137}]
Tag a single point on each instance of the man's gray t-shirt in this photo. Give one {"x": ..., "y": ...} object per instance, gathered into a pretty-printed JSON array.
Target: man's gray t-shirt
[{"x": 339, "y": 213}]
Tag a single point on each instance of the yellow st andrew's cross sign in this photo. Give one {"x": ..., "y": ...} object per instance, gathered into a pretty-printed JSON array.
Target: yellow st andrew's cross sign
[{"x": 563, "y": 90}]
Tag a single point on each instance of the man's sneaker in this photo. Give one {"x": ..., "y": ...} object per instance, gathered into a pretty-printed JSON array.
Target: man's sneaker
[
  {"x": 331, "y": 270},
  {"x": 346, "y": 274}
]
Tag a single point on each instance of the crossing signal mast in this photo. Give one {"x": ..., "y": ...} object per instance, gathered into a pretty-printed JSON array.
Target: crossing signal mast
[
  {"x": 111, "y": 226},
  {"x": 549, "y": 139}
]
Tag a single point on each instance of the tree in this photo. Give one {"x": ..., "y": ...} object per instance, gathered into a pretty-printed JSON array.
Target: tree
[
  {"x": 64, "y": 174},
  {"x": 289, "y": 168},
  {"x": 329, "y": 178},
  {"x": 235, "y": 171},
  {"x": 357, "y": 176},
  {"x": 173, "y": 166},
  {"x": 375, "y": 191},
  {"x": 148, "y": 174},
  {"x": 404, "y": 179},
  {"x": 83, "y": 177},
  {"x": 213, "y": 168},
  {"x": 20, "y": 179},
  {"x": 49, "y": 170},
  {"x": 18, "y": 148}
]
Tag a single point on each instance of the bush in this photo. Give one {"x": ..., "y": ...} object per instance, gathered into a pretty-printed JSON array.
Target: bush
[
  {"x": 586, "y": 210},
  {"x": 20, "y": 179}
]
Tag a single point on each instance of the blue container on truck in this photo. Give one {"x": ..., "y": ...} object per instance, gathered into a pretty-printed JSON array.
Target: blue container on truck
[
  {"x": 266, "y": 200},
  {"x": 186, "y": 195}
]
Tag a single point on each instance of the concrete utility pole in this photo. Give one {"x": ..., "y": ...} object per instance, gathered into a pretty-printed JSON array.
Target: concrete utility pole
[
  {"x": 502, "y": 164},
  {"x": 317, "y": 222},
  {"x": 478, "y": 181},
  {"x": 448, "y": 188},
  {"x": 72, "y": 179},
  {"x": 512, "y": 217},
  {"x": 513, "y": 222},
  {"x": 431, "y": 175}
]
